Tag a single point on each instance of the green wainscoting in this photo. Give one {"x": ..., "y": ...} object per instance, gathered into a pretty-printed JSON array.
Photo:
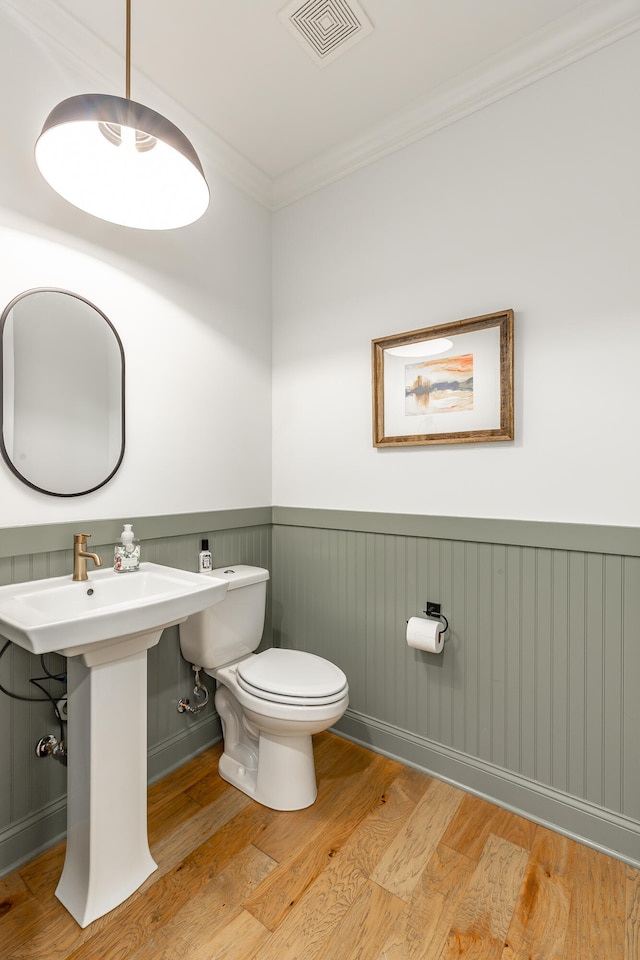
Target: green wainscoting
[
  {"x": 33, "y": 790},
  {"x": 534, "y": 701}
]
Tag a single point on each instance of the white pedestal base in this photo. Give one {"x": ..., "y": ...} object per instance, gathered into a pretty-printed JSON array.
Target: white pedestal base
[{"x": 108, "y": 855}]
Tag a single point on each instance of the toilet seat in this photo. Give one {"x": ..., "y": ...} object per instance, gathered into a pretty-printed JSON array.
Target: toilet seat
[{"x": 291, "y": 676}]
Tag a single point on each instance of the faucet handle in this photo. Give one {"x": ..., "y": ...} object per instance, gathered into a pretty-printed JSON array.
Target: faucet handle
[{"x": 80, "y": 537}]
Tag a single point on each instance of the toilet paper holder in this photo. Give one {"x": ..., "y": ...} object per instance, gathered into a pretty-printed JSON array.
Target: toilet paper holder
[{"x": 432, "y": 610}]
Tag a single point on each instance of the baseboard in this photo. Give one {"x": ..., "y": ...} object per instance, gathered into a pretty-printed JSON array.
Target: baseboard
[
  {"x": 31, "y": 836},
  {"x": 604, "y": 830}
]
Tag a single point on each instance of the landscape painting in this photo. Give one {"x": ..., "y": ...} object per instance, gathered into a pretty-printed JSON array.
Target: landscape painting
[
  {"x": 449, "y": 383},
  {"x": 439, "y": 386}
]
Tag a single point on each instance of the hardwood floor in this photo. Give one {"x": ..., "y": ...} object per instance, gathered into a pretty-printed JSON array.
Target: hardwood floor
[{"x": 388, "y": 864}]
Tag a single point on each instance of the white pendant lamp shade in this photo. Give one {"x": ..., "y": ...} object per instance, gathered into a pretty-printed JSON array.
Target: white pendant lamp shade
[{"x": 122, "y": 162}]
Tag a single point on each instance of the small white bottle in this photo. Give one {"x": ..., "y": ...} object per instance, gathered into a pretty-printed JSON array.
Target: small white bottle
[
  {"x": 205, "y": 560},
  {"x": 126, "y": 554}
]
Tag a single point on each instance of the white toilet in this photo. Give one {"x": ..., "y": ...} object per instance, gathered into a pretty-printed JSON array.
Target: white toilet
[{"x": 270, "y": 703}]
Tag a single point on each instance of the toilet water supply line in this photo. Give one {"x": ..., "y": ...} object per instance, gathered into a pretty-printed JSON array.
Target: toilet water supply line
[
  {"x": 47, "y": 746},
  {"x": 200, "y": 691}
]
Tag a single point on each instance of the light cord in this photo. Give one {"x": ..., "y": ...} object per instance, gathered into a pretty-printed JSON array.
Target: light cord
[{"x": 128, "y": 53}]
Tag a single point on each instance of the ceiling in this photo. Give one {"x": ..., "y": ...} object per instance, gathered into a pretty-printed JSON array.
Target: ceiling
[{"x": 295, "y": 124}]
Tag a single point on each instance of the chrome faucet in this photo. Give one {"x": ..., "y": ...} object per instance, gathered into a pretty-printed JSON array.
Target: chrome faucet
[{"x": 80, "y": 556}]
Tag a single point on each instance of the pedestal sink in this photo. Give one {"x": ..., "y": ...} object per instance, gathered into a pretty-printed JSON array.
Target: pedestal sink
[{"x": 105, "y": 625}]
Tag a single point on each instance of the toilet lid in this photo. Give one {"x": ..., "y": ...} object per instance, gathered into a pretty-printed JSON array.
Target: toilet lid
[{"x": 291, "y": 676}]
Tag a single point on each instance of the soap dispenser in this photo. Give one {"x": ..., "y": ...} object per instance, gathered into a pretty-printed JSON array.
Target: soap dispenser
[{"x": 126, "y": 554}]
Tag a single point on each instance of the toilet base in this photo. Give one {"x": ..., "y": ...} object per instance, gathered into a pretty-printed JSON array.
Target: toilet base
[
  {"x": 268, "y": 750},
  {"x": 285, "y": 778}
]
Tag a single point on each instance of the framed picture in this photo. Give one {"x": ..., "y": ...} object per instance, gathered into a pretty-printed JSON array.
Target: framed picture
[{"x": 447, "y": 384}]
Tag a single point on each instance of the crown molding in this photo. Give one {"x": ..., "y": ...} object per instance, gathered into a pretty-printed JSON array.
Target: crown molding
[
  {"x": 590, "y": 27},
  {"x": 566, "y": 40}
]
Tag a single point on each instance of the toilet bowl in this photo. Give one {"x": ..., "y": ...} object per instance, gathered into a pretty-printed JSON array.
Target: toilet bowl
[{"x": 270, "y": 703}]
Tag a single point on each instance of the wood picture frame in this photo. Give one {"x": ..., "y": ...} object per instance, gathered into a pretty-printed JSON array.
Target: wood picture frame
[{"x": 451, "y": 383}]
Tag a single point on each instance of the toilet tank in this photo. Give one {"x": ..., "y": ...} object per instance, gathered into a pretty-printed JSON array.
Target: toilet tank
[{"x": 232, "y": 628}]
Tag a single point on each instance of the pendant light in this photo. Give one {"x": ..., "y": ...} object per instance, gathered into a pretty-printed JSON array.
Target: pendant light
[{"x": 121, "y": 161}]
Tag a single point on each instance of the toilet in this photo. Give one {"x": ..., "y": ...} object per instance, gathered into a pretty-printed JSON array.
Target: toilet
[{"x": 270, "y": 703}]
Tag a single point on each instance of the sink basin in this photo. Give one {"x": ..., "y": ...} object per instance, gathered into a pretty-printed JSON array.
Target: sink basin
[{"x": 69, "y": 617}]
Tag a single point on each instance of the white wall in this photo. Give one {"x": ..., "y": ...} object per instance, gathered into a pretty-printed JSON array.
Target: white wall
[
  {"x": 531, "y": 204},
  {"x": 191, "y": 306}
]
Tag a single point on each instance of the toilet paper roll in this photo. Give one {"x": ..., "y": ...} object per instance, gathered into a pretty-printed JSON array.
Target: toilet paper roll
[{"x": 425, "y": 634}]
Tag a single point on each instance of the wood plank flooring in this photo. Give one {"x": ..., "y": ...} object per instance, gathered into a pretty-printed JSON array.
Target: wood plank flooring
[{"x": 388, "y": 864}]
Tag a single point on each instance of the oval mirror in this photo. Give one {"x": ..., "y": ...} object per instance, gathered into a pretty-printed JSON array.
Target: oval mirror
[{"x": 62, "y": 397}]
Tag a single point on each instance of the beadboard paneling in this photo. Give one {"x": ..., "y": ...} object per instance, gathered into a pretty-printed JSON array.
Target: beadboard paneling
[
  {"x": 32, "y": 790},
  {"x": 538, "y": 677},
  {"x": 533, "y": 702}
]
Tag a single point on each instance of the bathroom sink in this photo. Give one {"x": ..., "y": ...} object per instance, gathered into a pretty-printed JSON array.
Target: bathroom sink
[
  {"x": 109, "y": 608},
  {"x": 106, "y": 625}
]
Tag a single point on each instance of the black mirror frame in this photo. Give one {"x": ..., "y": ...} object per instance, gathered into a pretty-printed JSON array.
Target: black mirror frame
[{"x": 3, "y": 450}]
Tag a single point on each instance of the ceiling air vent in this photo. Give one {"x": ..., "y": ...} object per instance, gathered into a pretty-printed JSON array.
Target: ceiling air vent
[{"x": 326, "y": 28}]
